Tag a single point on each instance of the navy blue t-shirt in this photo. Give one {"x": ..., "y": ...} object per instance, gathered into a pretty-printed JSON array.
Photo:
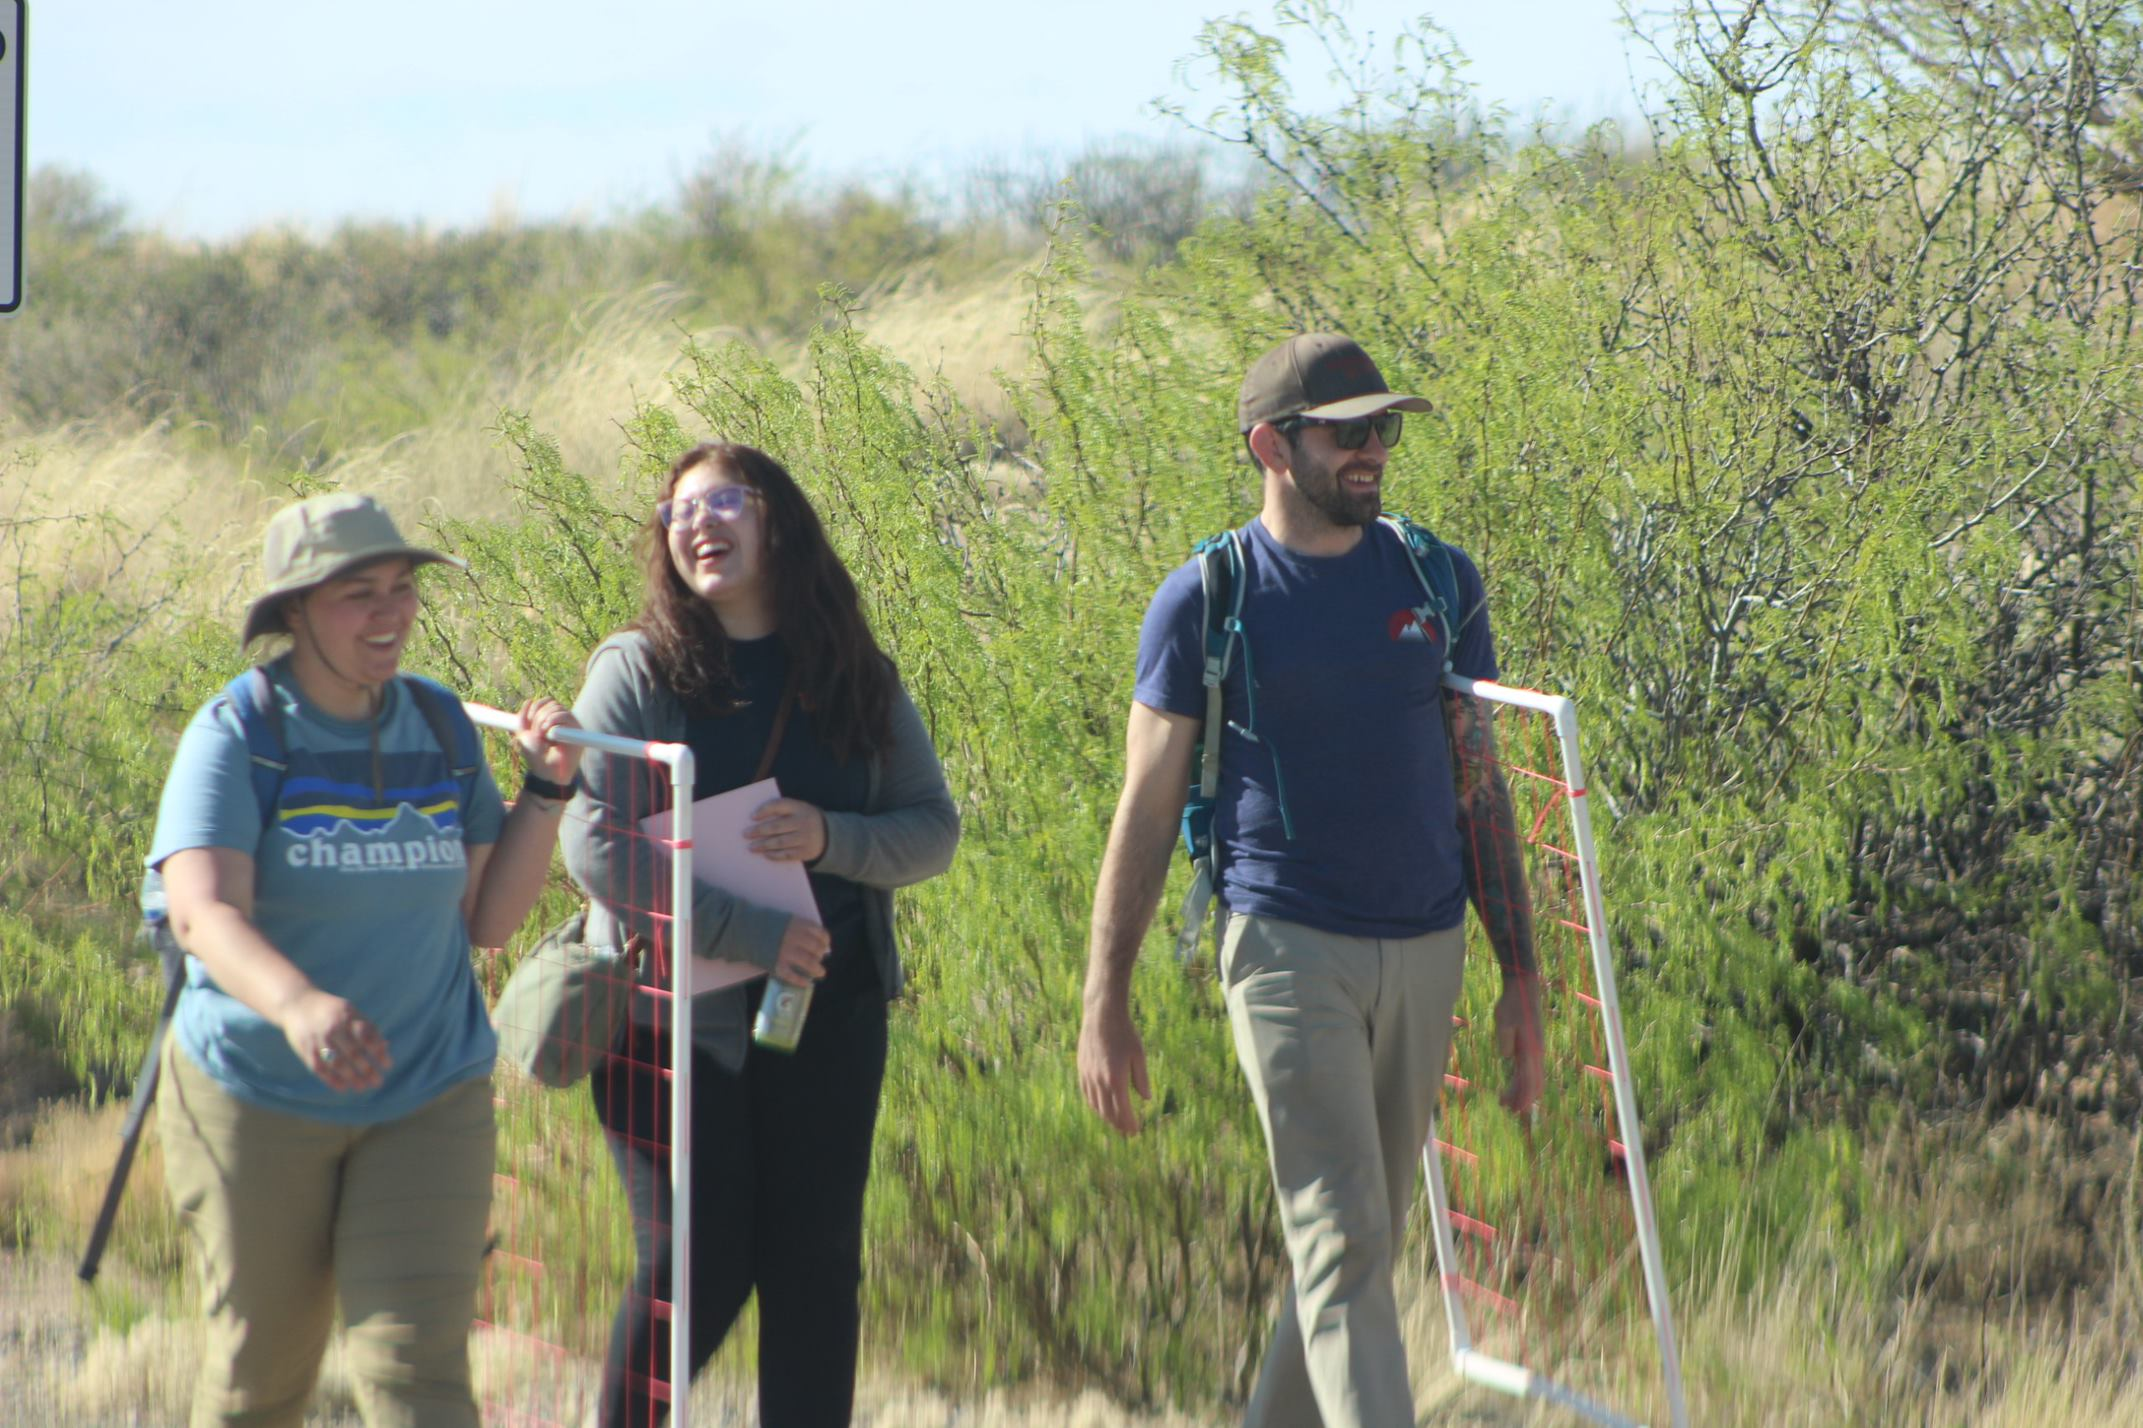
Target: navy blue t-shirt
[{"x": 1348, "y": 713}]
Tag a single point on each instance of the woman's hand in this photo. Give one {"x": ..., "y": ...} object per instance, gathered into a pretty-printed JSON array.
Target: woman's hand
[
  {"x": 546, "y": 760},
  {"x": 802, "y": 958},
  {"x": 787, "y": 830},
  {"x": 335, "y": 1041}
]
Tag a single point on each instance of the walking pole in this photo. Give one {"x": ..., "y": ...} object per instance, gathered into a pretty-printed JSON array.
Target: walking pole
[{"x": 138, "y": 1112}]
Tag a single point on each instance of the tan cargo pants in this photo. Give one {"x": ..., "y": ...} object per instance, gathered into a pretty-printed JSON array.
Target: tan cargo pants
[
  {"x": 289, "y": 1214},
  {"x": 1344, "y": 1041}
]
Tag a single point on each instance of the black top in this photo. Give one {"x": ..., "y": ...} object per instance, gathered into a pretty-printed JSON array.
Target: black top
[{"x": 725, "y": 752}]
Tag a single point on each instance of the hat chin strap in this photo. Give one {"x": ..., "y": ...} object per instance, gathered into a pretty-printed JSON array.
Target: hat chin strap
[
  {"x": 295, "y": 619},
  {"x": 372, "y": 691}
]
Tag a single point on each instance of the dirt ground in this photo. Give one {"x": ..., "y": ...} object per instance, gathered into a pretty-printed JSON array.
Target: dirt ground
[{"x": 60, "y": 1366}]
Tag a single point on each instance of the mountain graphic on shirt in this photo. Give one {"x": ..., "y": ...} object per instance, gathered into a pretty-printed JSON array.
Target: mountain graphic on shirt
[
  {"x": 345, "y": 838},
  {"x": 313, "y": 807}
]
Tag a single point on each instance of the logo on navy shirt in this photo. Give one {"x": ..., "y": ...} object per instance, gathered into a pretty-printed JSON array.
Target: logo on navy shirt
[{"x": 1417, "y": 625}]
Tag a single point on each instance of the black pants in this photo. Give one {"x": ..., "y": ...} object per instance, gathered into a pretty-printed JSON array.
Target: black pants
[{"x": 780, "y": 1155}]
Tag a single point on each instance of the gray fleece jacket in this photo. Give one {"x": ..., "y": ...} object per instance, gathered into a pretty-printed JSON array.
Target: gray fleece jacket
[{"x": 906, "y": 833}]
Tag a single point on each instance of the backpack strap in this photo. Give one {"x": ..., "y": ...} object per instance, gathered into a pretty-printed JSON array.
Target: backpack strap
[
  {"x": 1431, "y": 560},
  {"x": 1220, "y": 579},
  {"x": 260, "y": 720},
  {"x": 452, "y": 729}
]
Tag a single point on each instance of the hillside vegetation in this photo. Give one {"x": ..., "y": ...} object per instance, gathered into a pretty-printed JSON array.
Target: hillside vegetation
[{"x": 1797, "y": 438}]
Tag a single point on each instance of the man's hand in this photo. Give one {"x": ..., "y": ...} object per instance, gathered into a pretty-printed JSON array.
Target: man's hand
[
  {"x": 1112, "y": 1064},
  {"x": 1519, "y": 1039},
  {"x": 1134, "y": 865}
]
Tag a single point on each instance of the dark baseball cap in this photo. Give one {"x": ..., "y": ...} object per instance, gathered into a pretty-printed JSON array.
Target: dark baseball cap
[{"x": 1317, "y": 374}]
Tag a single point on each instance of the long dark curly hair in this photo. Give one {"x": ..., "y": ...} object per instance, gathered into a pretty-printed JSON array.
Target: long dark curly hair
[{"x": 843, "y": 678}]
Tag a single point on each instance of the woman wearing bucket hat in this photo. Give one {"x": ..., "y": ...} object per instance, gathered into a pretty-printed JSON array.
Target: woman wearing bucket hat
[{"x": 327, "y": 1119}]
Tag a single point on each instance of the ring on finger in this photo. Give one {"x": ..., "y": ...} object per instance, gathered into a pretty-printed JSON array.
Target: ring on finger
[{"x": 327, "y": 1055}]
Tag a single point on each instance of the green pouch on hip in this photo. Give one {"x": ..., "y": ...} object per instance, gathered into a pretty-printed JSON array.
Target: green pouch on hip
[{"x": 565, "y": 1003}]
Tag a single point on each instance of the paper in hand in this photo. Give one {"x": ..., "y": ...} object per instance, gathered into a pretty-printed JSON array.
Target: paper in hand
[{"x": 722, "y": 857}]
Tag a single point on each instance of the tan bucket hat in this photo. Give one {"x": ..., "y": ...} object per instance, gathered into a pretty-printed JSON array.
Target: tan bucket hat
[
  {"x": 318, "y": 539},
  {"x": 1325, "y": 375}
]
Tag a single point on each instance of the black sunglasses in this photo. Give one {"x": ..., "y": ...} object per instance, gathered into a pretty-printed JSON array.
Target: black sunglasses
[{"x": 1353, "y": 433}]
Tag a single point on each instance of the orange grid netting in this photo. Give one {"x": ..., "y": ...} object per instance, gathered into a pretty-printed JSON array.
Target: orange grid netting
[
  {"x": 1548, "y": 1267},
  {"x": 561, "y": 1256}
]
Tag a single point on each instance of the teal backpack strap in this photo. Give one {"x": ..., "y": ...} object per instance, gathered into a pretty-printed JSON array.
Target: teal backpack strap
[
  {"x": 1431, "y": 560},
  {"x": 1220, "y": 578},
  {"x": 1220, "y": 573}
]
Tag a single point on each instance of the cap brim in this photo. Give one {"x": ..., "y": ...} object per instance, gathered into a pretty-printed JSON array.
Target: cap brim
[
  {"x": 264, "y": 616},
  {"x": 1369, "y": 405}
]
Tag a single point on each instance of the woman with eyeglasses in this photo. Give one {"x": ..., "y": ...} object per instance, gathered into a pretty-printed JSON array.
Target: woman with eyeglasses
[{"x": 752, "y": 647}]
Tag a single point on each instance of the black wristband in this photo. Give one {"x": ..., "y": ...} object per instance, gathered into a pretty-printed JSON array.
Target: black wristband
[{"x": 544, "y": 788}]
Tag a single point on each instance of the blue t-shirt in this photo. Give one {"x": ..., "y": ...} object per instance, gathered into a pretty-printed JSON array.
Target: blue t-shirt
[
  {"x": 1348, "y": 714},
  {"x": 361, "y": 890}
]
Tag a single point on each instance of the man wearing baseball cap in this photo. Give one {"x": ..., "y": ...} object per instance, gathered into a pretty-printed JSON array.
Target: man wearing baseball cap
[{"x": 1345, "y": 850}]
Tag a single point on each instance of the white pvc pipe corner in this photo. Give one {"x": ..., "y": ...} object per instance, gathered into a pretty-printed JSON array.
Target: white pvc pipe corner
[
  {"x": 1474, "y": 1365},
  {"x": 678, "y": 758}
]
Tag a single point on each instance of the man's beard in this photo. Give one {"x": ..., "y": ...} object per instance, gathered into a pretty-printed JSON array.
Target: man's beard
[{"x": 1323, "y": 490}]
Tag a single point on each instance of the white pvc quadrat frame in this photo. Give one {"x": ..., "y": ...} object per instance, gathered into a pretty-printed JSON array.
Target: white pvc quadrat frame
[
  {"x": 1472, "y": 1363},
  {"x": 678, "y": 759}
]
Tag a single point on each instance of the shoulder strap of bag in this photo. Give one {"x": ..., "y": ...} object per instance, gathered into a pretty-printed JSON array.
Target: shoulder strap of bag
[{"x": 773, "y": 735}]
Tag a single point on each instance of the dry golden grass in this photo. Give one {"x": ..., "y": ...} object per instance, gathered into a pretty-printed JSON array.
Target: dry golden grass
[
  {"x": 88, "y": 1358},
  {"x": 964, "y": 333},
  {"x": 140, "y": 509},
  {"x": 580, "y": 388},
  {"x": 1806, "y": 1350},
  {"x": 972, "y": 332},
  {"x": 124, "y": 1351},
  {"x": 130, "y": 509}
]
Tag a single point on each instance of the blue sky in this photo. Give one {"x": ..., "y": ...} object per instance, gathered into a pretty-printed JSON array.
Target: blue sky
[{"x": 209, "y": 118}]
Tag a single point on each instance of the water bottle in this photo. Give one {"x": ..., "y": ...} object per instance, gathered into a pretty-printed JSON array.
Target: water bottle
[
  {"x": 156, "y": 918},
  {"x": 780, "y": 1023}
]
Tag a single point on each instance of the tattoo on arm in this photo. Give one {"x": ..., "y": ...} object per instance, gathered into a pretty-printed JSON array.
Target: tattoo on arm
[{"x": 1488, "y": 835}]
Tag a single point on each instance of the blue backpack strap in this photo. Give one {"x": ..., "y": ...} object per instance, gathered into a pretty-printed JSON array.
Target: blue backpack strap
[
  {"x": 454, "y": 731},
  {"x": 260, "y": 720},
  {"x": 1431, "y": 560}
]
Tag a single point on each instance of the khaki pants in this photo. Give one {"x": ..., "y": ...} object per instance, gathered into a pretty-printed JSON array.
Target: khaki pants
[
  {"x": 289, "y": 1214},
  {"x": 1344, "y": 1041}
]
